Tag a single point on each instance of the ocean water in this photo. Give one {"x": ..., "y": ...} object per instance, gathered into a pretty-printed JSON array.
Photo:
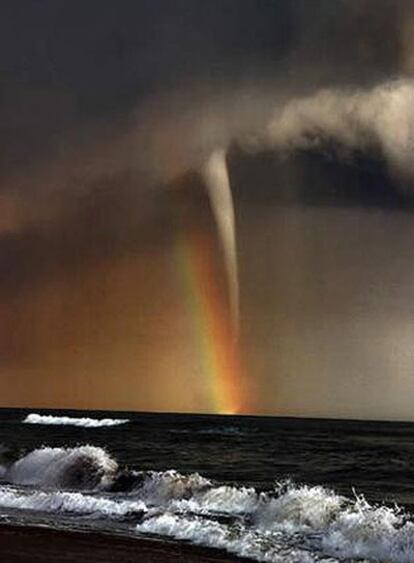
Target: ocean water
[{"x": 269, "y": 489}]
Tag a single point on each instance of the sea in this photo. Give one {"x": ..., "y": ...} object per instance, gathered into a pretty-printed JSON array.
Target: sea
[{"x": 265, "y": 488}]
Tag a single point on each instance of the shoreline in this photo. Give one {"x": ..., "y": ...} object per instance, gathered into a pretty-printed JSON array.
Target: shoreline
[{"x": 36, "y": 544}]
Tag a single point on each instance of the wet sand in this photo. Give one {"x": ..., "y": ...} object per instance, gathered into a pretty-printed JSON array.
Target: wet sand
[{"x": 31, "y": 544}]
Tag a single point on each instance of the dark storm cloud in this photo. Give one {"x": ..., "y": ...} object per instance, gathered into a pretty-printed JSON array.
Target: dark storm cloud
[
  {"x": 66, "y": 63},
  {"x": 105, "y": 106},
  {"x": 62, "y": 63}
]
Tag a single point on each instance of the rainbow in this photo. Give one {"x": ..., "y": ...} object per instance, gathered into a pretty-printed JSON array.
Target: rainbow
[{"x": 213, "y": 337}]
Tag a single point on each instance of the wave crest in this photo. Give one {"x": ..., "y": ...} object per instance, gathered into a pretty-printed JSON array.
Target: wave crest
[
  {"x": 297, "y": 524},
  {"x": 85, "y": 467},
  {"x": 35, "y": 418},
  {"x": 290, "y": 523}
]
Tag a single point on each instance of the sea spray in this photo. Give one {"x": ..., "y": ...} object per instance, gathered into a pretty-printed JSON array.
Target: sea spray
[{"x": 289, "y": 523}]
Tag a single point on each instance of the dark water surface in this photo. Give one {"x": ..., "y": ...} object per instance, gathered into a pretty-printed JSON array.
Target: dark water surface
[
  {"x": 375, "y": 458},
  {"x": 224, "y": 488}
]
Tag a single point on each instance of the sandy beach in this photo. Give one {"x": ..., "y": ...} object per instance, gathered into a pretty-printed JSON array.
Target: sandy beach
[{"x": 24, "y": 544}]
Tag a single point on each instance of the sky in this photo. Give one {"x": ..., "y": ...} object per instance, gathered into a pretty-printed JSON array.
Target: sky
[{"x": 113, "y": 279}]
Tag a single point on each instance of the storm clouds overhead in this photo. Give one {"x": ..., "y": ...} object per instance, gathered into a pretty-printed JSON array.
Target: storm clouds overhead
[{"x": 109, "y": 115}]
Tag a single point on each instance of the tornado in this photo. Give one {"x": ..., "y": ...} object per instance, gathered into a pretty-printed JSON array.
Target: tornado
[{"x": 218, "y": 188}]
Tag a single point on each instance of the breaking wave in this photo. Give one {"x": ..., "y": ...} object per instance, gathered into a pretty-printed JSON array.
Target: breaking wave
[
  {"x": 85, "y": 467},
  {"x": 290, "y": 523},
  {"x": 35, "y": 418}
]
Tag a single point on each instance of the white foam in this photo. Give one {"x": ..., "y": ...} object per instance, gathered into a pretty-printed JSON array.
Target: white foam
[
  {"x": 162, "y": 487},
  {"x": 298, "y": 525},
  {"x": 291, "y": 524},
  {"x": 35, "y": 418},
  {"x": 240, "y": 541},
  {"x": 378, "y": 534},
  {"x": 68, "y": 502}
]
